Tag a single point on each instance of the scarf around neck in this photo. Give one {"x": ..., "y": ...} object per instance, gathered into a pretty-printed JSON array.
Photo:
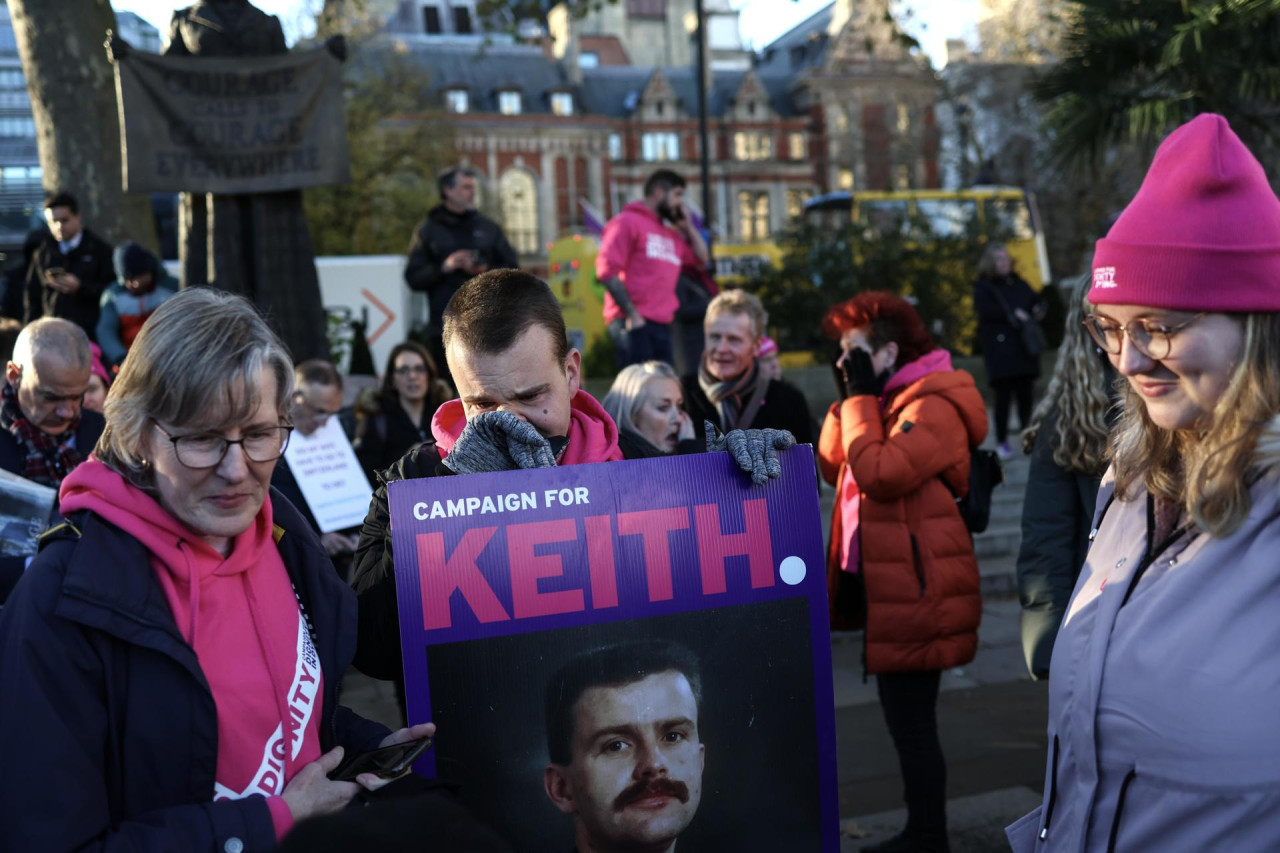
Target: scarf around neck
[
  {"x": 731, "y": 396},
  {"x": 49, "y": 458}
]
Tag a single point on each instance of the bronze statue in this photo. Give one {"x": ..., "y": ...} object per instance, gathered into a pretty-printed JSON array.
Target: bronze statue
[{"x": 257, "y": 244}]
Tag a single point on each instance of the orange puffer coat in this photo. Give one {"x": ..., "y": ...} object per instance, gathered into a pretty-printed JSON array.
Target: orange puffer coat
[{"x": 917, "y": 562}]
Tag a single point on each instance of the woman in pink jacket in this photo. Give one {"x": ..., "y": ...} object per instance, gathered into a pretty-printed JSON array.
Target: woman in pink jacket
[{"x": 1166, "y": 670}]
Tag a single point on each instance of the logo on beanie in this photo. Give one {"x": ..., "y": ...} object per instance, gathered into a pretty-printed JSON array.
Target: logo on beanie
[{"x": 1104, "y": 277}]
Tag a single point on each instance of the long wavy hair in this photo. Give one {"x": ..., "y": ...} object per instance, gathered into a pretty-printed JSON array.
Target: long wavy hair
[
  {"x": 1209, "y": 471},
  {"x": 1079, "y": 393}
]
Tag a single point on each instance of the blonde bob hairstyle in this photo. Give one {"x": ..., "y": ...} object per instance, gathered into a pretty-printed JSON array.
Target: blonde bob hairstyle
[
  {"x": 1209, "y": 471},
  {"x": 626, "y": 395},
  {"x": 196, "y": 365}
]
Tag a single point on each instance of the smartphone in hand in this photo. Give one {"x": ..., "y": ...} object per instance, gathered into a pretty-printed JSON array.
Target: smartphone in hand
[{"x": 385, "y": 763}]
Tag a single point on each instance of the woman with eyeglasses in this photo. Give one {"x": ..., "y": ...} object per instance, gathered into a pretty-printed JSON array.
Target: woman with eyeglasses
[
  {"x": 1166, "y": 669},
  {"x": 170, "y": 661},
  {"x": 398, "y": 418}
]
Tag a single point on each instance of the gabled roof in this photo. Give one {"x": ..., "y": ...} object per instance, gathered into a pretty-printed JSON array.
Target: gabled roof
[
  {"x": 800, "y": 47},
  {"x": 616, "y": 90},
  {"x": 485, "y": 70}
]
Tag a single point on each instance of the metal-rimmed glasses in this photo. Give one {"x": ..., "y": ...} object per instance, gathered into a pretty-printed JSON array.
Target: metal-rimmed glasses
[
  {"x": 201, "y": 451},
  {"x": 1150, "y": 337}
]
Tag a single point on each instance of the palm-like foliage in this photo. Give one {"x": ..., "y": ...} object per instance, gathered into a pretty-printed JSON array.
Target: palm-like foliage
[{"x": 1133, "y": 69}]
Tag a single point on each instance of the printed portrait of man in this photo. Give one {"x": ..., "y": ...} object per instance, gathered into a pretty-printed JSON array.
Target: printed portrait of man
[{"x": 626, "y": 753}]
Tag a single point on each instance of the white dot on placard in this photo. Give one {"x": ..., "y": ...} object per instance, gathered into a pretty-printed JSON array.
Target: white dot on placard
[{"x": 792, "y": 571}]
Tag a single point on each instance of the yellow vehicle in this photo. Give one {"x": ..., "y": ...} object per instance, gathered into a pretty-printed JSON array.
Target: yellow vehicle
[
  {"x": 571, "y": 266},
  {"x": 1007, "y": 213},
  {"x": 738, "y": 263}
]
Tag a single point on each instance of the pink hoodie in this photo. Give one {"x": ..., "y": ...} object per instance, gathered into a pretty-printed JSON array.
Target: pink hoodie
[
  {"x": 243, "y": 621},
  {"x": 593, "y": 436},
  {"x": 647, "y": 255}
]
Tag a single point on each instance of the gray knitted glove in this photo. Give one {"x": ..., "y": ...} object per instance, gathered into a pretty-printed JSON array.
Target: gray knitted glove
[
  {"x": 755, "y": 450},
  {"x": 499, "y": 441}
]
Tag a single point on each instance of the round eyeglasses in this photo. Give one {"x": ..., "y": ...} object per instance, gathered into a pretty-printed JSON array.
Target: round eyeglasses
[
  {"x": 201, "y": 451},
  {"x": 1150, "y": 337}
]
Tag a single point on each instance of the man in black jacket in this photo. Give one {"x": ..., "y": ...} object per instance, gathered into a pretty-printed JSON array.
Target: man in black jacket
[
  {"x": 728, "y": 389},
  {"x": 44, "y": 432},
  {"x": 70, "y": 269},
  {"x": 454, "y": 243}
]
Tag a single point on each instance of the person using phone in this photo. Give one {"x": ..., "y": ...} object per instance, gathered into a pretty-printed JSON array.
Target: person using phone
[
  {"x": 170, "y": 661},
  {"x": 69, "y": 270},
  {"x": 639, "y": 261}
]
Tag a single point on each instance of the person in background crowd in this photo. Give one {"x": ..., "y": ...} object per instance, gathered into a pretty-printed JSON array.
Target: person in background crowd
[
  {"x": 1067, "y": 442},
  {"x": 398, "y": 418},
  {"x": 168, "y": 714},
  {"x": 728, "y": 390},
  {"x": 453, "y": 244},
  {"x": 1165, "y": 674},
  {"x": 767, "y": 358},
  {"x": 317, "y": 397},
  {"x": 639, "y": 262},
  {"x": 1005, "y": 304},
  {"x": 95, "y": 397},
  {"x": 896, "y": 447},
  {"x": 141, "y": 285},
  {"x": 695, "y": 288},
  {"x": 647, "y": 403},
  {"x": 44, "y": 432},
  {"x": 521, "y": 405},
  {"x": 69, "y": 270}
]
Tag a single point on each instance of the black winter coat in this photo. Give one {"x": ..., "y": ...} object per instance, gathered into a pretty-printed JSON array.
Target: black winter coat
[
  {"x": 1057, "y": 514},
  {"x": 384, "y": 436},
  {"x": 1003, "y": 352},
  {"x": 440, "y": 235},
  {"x": 784, "y": 407},
  {"x": 13, "y": 458},
  {"x": 108, "y": 731},
  {"x": 90, "y": 262}
]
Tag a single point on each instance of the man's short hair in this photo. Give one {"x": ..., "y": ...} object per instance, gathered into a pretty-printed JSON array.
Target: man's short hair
[
  {"x": 741, "y": 302},
  {"x": 488, "y": 313},
  {"x": 316, "y": 371},
  {"x": 52, "y": 336},
  {"x": 610, "y": 666},
  {"x": 62, "y": 199},
  {"x": 663, "y": 179},
  {"x": 448, "y": 177}
]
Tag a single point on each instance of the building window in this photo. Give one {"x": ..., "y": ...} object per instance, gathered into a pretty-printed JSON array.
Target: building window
[
  {"x": 509, "y": 103},
  {"x": 462, "y": 20},
  {"x": 588, "y": 59},
  {"x": 457, "y": 100},
  {"x": 657, "y": 147},
  {"x": 753, "y": 215},
  {"x": 797, "y": 149},
  {"x": 520, "y": 210},
  {"x": 752, "y": 145},
  {"x": 844, "y": 179},
  {"x": 615, "y": 146},
  {"x": 647, "y": 8},
  {"x": 904, "y": 119},
  {"x": 431, "y": 20},
  {"x": 795, "y": 202},
  {"x": 18, "y": 127},
  {"x": 562, "y": 103},
  {"x": 12, "y": 79},
  {"x": 839, "y": 120},
  {"x": 902, "y": 180}
]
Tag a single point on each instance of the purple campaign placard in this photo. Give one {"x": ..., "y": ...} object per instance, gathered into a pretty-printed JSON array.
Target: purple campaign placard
[{"x": 504, "y": 580}]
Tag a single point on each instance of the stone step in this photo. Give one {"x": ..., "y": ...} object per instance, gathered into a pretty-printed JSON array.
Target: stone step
[
  {"x": 1000, "y": 539},
  {"x": 998, "y": 575}
]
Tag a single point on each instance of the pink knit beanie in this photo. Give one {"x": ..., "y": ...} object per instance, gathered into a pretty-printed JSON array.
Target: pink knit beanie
[
  {"x": 767, "y": 345},
  {"x": 1202, "y": 234}
]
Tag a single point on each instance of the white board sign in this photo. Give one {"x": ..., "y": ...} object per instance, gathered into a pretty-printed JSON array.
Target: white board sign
[{"x": 331, "y": 479}]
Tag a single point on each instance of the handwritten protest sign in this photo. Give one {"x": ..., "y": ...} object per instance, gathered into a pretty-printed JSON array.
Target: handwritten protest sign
[
  {"x": 235, "y": 125},
  {"x": 330, "y": 476},
  {"x": 510, "y": 583}
]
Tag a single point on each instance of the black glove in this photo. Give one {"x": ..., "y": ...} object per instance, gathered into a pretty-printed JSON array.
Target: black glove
[
  {"x": 499, "y": 441},
  {"x": 755, "y": 450},
  {"x": 117, "y": 48},
  {"x": 837, "y": 369},
  {"x": 860, "y": 375},
  {"x": 337, "y": 45}
]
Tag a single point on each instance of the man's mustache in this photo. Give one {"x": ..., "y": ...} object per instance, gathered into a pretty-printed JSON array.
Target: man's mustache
[{"x": 660, "y": 787}]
